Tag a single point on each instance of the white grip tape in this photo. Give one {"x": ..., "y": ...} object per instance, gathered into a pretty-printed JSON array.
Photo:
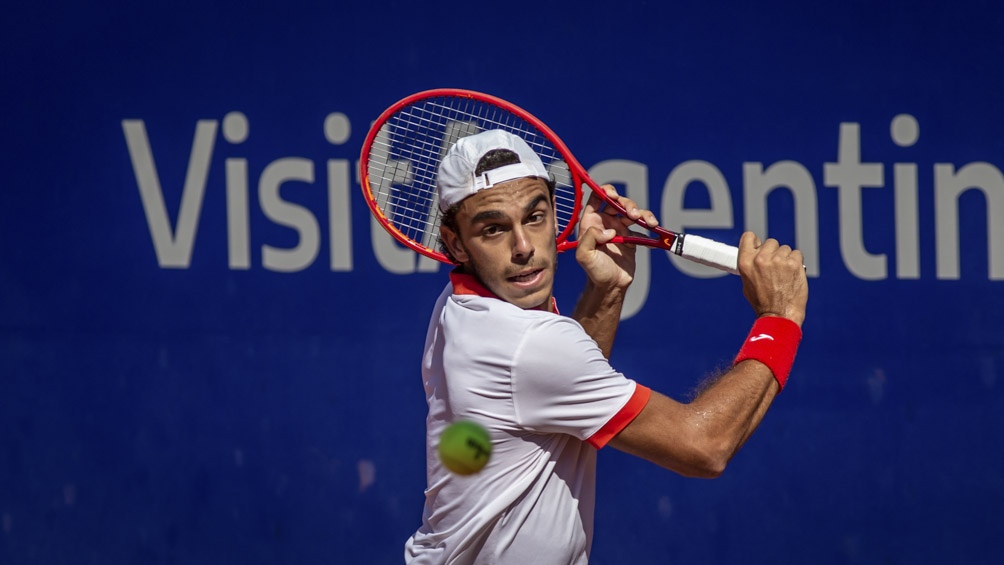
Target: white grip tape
[{"x": 710, "y": 252}]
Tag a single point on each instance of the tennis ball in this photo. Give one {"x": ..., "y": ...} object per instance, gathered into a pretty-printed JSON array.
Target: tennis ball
[{"x": 464, "y": 447}]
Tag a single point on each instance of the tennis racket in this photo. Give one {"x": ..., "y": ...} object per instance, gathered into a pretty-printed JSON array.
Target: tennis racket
[{"x": 401, "y": 155}]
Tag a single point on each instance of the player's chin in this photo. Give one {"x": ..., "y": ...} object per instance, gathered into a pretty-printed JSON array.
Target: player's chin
[
  {"x": 530, "y": 288},
  {"x": 536, "y": 301}
]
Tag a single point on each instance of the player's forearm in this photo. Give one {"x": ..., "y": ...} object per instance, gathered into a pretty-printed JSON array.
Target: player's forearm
[
  {"x": 762, "y": 365},
  {"x": 698, "y": 439},
  {"x": 732, "y": 408},
  {"x": 599, "y": 313}
]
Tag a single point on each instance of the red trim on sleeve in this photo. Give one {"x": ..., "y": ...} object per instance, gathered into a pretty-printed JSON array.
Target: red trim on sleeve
[{"x": 621, "y": 419}]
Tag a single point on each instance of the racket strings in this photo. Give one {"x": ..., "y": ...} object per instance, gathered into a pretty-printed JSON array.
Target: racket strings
[{"x": 405, "y": 156}]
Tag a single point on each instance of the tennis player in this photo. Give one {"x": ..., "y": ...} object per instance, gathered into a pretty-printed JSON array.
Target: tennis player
[{"x": 499, "y": 353}]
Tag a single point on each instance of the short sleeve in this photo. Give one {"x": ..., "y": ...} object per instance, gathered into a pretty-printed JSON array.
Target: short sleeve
[{"x": 561, "y": 382}]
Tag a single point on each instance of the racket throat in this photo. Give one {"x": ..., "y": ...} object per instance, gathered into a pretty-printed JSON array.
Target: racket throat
[{"x": 675, "y": 243}]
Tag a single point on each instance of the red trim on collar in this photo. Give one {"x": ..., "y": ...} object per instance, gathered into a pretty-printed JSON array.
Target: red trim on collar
[{"x": 470, "y": 285}]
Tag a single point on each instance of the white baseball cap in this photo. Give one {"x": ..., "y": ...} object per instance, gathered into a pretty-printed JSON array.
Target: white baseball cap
[{"x": 456, "y": 179}]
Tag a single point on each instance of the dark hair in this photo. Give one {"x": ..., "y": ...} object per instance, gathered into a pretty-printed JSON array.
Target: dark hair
[
  {"x": 492, "y": 160},
  {"x": 495, "y": 159}
]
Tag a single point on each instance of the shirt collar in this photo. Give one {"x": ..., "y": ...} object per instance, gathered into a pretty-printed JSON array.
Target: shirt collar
[{"x": 469, "y": 284}]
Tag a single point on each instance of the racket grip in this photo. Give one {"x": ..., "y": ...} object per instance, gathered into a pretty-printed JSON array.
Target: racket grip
[{"x": 707, "y": 252}]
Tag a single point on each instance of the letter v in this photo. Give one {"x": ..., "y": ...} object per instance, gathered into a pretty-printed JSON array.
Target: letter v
[{"x": 173, "y": 247}]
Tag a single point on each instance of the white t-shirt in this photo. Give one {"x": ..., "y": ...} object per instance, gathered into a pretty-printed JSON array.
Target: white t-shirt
[{"x": 548, "y": 398}]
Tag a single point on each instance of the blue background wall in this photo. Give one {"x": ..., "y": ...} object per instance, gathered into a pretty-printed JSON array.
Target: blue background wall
[{"x": 206, "y": 413}]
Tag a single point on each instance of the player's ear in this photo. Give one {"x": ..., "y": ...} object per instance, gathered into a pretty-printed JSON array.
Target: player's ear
[{"x": 452, "y": 241}]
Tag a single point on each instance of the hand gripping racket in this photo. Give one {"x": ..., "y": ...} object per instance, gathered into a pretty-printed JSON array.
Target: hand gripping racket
[{"x": 400, "y": 159}]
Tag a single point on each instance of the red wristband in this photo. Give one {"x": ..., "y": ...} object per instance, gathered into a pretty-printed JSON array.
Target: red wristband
[{"x": 773, "y": 341}]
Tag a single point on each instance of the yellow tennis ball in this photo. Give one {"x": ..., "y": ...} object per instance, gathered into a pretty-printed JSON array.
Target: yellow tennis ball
[{"x": 464, "y": 447}]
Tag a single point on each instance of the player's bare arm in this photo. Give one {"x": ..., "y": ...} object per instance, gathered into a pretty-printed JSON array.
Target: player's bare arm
[
  {"x": 609, "y": 267},
  {"x": 699, "y": 438}
]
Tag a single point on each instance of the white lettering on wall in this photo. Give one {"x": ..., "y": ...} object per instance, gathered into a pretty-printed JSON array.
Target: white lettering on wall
[
  {"x": 291, "y": 215},
  {"x": 949, "y": 185},
  {"x": 174, "y": 243},
  {"x": 235, "y": 130},
  {"x": 392, "y": 256},
  {"x": 631, "y": 179},
  {"x": 758, "y": 184},
  {"x": 337, "y": 130},
  {"x": 174, "y": 240},
  {"x": 849, "y": 175},
  {"x": 904, "y": 131},
  {"x": 679, "y": 219},
  {"x": 172, "y": 246}
]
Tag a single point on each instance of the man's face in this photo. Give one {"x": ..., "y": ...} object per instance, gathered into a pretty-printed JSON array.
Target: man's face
[{"x": 506, "y": 237}]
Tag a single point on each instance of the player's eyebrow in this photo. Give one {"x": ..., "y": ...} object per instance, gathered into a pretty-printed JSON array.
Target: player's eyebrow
[
  {"x": 536, "y": 202},
  {"x": 486, "y": 215}
]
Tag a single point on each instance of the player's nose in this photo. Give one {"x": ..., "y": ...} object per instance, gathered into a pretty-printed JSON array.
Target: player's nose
[{"x": 522, "y": 246}]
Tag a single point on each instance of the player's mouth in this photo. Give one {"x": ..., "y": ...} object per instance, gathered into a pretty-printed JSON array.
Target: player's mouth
[{"x": 528, "y": 278}]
